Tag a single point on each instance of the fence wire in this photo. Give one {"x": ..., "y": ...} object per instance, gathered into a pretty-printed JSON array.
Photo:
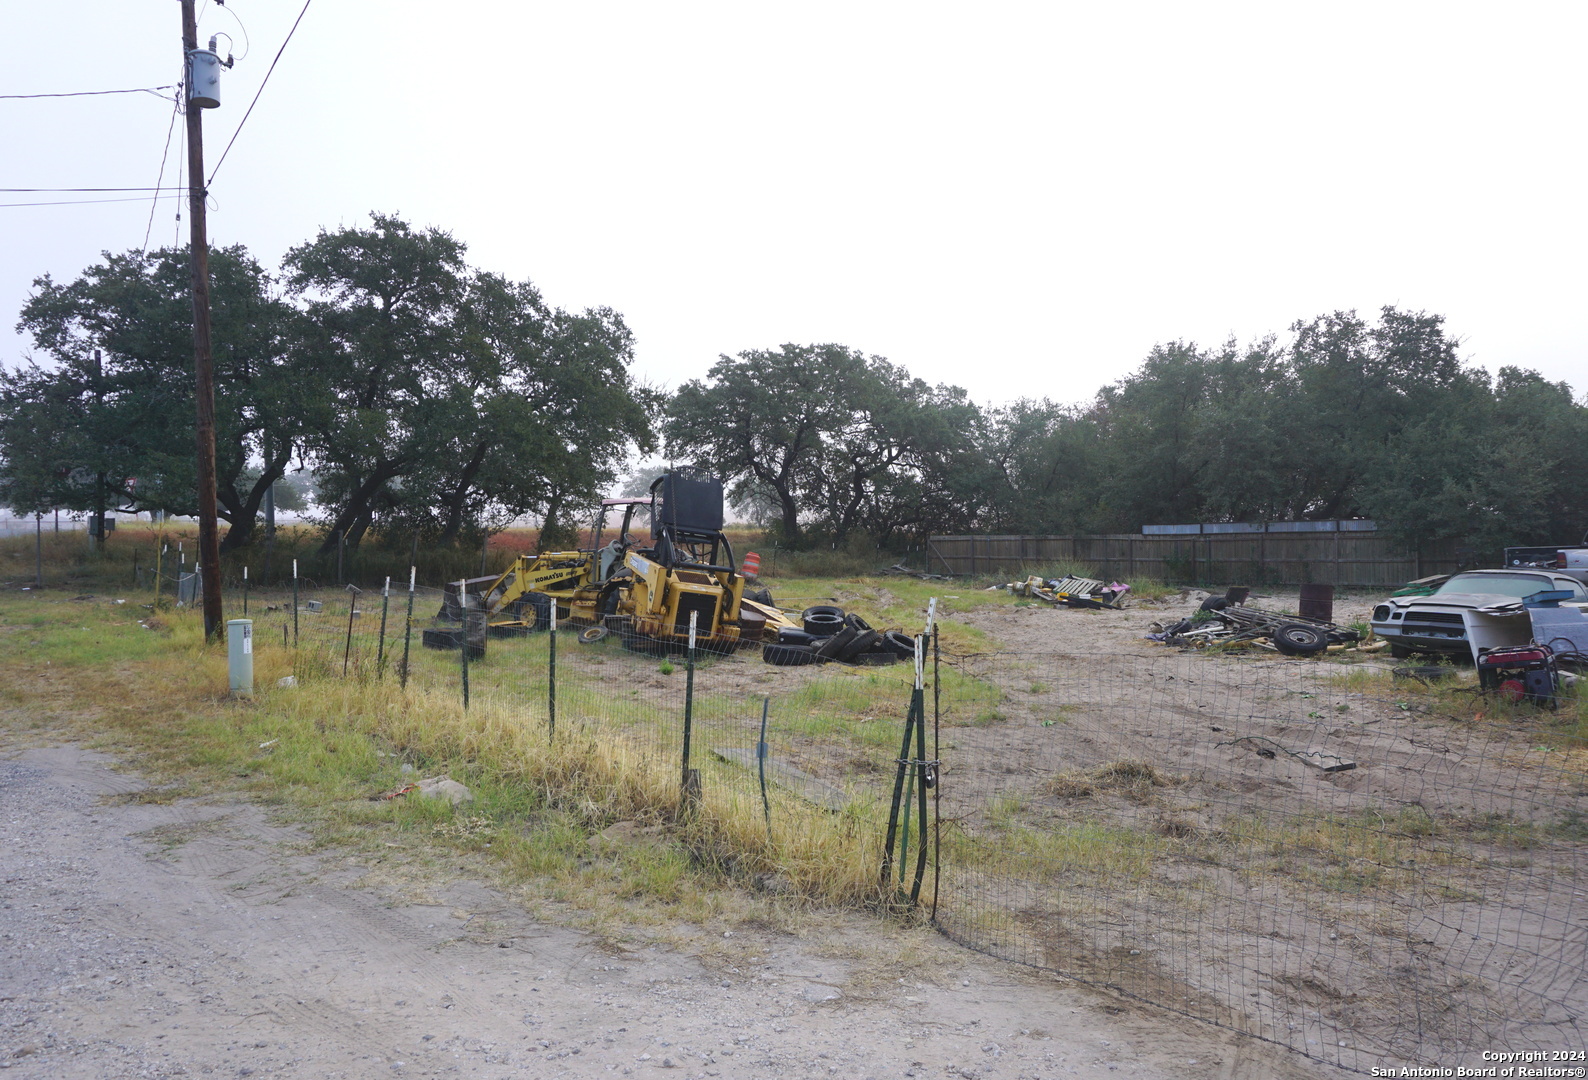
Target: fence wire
[
  {"x": 1317, "y": 856},
  {"x": 1364, "y": 869}
]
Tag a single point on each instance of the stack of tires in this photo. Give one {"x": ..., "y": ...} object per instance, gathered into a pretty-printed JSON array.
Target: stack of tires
[{"x": 830, "y": 634}]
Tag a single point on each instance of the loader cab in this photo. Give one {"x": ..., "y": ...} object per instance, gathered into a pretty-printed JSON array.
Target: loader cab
[{"x": 686, "y": 522}]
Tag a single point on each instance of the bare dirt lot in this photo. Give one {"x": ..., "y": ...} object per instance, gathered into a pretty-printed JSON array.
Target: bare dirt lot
[
  {"x": 198, "y": 938},
  {"x": 1422, "y": 903}
]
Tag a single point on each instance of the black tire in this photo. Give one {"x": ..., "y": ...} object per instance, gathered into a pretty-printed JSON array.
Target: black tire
[
  {"x": 899, "y": 644},
  {"x": 1299, "y": 639},
  {"x": 826, "y": 609},
  {"x": 834, "y": 647},
  {"x": 823, "y": 623},
  {"x": 789, "y": 655},
  {"x": 864, "y": 641},
  {"x": 790, "y": 636},
  {"x": 1402, "y": 652},
  {"x": 857, "y": 622},
  {"x": 644, "y": 646},
  {"x": 1214, "y": 603},
  {"x": 535, "y": 610},
  {"x": 760, "y": 596},
  {"x": 592, "y": 634}
]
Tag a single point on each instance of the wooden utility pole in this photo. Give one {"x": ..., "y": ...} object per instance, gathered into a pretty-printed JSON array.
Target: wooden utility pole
[{"x": 209, "y": 555}]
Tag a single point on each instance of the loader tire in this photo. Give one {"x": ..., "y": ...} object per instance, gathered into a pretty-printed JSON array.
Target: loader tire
[
  {"x": 789, "y": 655},
  {"x": 823, "y": 623},
  {"x": 644, "y": 646},
  {"x": 535, "y": 610},
  {"x": 899, "y": 643}
]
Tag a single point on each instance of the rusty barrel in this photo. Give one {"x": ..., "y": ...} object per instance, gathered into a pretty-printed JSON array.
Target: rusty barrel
[{"x": 1317, "y": 602}]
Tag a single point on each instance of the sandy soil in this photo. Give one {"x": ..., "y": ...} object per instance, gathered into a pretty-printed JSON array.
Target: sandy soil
[
  {"x": 1442, "y": 937},
  {"x": 203, "y": 939}
]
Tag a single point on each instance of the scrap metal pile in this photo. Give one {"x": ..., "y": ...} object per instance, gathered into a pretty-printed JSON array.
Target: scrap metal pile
[
  {"x": 1076, "y": 592},
  {"x": 1220, "y": 622}
]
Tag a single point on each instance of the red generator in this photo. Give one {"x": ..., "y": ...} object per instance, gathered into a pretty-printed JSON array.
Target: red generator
[{"x": 1517, "y": 674}]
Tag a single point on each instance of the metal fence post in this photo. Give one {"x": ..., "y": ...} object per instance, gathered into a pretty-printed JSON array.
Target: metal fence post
[
  {"x": 689, "y": 700},
  {"x": 245, "y": 592},
  {"x": 463, "y": 638},
  {"x": 294, "y": 603},
  {"x": 408, "y": 626},
  {"x": 352, "y": 609},
  {"x": 380, "y": 648},
  {"x": 760, "y": 763},
  {"x": 551, "y": 674}
]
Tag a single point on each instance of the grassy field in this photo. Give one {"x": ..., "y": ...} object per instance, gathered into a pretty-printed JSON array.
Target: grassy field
[{"x": 104, "y": 668}]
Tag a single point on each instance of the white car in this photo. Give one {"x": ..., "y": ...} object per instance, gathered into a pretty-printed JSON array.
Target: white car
[{"x": 1434, "y": 624}]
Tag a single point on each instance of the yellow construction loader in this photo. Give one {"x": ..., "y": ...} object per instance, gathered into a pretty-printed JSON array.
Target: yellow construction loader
[{"x": 647, "y": 591}]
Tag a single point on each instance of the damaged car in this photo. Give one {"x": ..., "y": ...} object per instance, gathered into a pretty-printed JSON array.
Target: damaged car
[{"x": 1434, "y": 623}]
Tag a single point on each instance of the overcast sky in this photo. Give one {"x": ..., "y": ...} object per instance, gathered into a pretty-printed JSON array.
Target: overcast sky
[{"x": 1019, "y": 198}]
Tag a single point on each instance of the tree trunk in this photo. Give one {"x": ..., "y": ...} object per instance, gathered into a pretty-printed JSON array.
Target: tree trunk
[
  {"x": 454, "y": 501},
  {"x": 244, "y": 514},
  {"x": 358, "y": 506}
]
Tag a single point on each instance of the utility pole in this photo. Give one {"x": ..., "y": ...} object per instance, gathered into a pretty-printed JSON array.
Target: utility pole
[{"x": 203, "y": 362}]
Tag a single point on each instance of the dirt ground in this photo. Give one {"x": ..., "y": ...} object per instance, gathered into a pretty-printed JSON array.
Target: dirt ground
[
  {"x": 1435, "y": 913},
  {"x": 202, "y": 938}
]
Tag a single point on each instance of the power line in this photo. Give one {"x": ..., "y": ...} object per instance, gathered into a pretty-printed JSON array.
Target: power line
[
  {"x": 261, "y": 90},
  {"x": 155, "y": 90},
  {"x": 19, "y": 190},
  {"x": 154, "y": 203},
  {"x": 88, "y": 202}
]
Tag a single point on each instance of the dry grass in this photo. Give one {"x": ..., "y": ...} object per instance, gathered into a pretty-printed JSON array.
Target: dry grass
[{"x": 1125, "y": 776}]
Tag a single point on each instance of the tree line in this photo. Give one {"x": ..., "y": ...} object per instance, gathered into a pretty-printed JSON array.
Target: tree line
[{"x": 428, "y": 396}]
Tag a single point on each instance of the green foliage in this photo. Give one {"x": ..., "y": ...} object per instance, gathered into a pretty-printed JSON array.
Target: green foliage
[{"x": 825, "y": 442}]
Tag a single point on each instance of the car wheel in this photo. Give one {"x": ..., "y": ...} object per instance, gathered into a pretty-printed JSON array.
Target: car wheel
[
  {"x": 900, "y": 644},
  {"x": 823, "y": 623},
  {"x": 863, "y": 641},
  {"x": 834, "y": 647},
  {"x": 1298, "y": 639}
]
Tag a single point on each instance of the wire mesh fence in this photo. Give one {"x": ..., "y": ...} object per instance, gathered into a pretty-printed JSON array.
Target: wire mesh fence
[
  {"x": 1361, "y": 868},
  {"x": 1308, "y": 853}
]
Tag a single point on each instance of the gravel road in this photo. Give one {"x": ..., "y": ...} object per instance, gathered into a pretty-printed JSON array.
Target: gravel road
[{"x": 200, "y": 939}]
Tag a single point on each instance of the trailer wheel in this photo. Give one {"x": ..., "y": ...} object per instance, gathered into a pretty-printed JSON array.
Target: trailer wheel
[{"x": 1298, "y": 639}]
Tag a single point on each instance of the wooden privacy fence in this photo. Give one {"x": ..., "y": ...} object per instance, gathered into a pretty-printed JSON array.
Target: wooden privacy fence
[{"x": 1329, "y": 558}]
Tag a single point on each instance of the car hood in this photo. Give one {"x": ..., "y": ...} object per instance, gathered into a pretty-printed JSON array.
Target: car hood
[{"x": 1453, "y": 600}]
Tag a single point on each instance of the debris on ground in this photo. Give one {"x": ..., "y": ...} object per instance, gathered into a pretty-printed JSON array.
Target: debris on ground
[
  {"x": 1077, "y": 592},
  {"x": 900, "y": 568},
  {"x": 1225, "y": 624},
  {"x": 446, "y": 788}
]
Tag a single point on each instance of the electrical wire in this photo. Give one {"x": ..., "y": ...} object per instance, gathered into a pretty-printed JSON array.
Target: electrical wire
[
  {"x": 155, "y": 90},
  {"x": 89, "y": 202},
  {"x": 20, "y": 190},
  {"x": 261, "y": 90},
  {"x": 160, "y": 180}
]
